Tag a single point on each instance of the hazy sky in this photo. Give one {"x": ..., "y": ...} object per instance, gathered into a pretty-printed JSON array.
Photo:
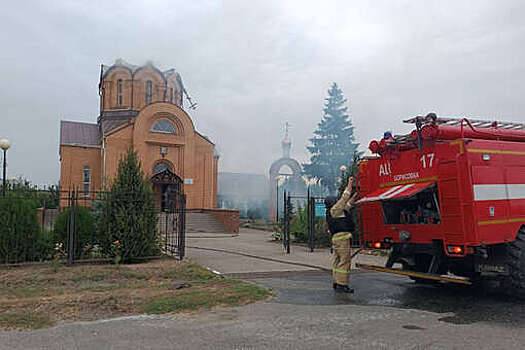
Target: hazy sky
[{"x": 252, "y": 65}]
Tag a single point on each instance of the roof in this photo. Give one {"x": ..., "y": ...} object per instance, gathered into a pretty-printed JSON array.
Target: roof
[
  {"x": 134, "y": 68},
  {"x": 79, "y": 133},
  {"x": 110, "y": 125},
  {"x": 205, "y": 137}
]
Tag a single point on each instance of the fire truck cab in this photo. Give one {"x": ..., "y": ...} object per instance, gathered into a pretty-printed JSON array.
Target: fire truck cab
[{"x": 448, "y": 198}]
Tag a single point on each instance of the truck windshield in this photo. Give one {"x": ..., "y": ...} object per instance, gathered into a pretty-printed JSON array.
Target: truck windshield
[{"x": 423, "y": 208}]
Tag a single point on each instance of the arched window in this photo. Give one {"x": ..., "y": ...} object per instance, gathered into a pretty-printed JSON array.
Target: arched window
[
  {"x": 160, "y": 167},
  {"x": 86, "y": 180},
  {"x": 149, "y": 91},
  {"x": 164, "y": 126},
  {"x": 171, "y": 94},
  {"x": 119, "y": 92}
]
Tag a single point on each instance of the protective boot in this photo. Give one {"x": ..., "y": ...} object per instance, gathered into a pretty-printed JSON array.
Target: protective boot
[{"x": 343, "y": 289}]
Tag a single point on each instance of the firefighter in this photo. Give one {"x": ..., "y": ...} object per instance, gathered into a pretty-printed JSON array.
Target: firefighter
[{"x": 341, "y": 225}]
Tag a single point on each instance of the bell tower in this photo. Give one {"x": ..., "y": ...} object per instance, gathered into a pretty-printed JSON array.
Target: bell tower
[{"x": 294, "y": 181}]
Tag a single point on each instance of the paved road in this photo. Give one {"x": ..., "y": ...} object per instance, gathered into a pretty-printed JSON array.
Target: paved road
[{"x": 386, "y": 312}]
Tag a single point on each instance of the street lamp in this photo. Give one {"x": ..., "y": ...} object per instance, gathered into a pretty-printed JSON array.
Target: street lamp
[{"x": 4, "y": 145}]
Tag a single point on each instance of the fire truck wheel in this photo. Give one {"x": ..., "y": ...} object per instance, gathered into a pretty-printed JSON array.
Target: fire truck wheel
[{"x": 516, "y": 264}]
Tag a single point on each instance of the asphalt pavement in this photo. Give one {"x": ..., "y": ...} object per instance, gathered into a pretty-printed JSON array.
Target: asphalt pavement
[{"x": 386, "y": 312}]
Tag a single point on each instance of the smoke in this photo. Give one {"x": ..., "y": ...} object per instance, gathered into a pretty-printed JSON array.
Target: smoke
[{"x": 253, "y": 65}]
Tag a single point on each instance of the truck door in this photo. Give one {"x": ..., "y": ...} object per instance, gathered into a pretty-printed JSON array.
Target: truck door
[
  {"x": 491, "y": 205},
  {"x": 515, "y": 180},
  {"x": 450, "y": 202}
]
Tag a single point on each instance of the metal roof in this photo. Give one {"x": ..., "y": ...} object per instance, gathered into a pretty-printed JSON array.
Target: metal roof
[{"x": 79, "y": 133}]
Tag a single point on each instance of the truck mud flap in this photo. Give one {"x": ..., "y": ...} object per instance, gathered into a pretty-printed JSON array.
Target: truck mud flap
[{"x": 422, "y": 275}]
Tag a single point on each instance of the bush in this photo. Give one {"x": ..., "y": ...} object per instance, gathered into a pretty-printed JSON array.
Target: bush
[
  {"x": 19, "y": 230},
  {"x": 299, "y": 225},
  {"x": 45, "y": 245},
  {"x": 22, "y": 188},
  {"x": 128, "y": 215},
  {"x": 84, "y": 227},
  {"x": 299, "y": 228}
]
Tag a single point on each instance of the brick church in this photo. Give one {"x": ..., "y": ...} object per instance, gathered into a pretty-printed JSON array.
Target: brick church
[{"x": 140, "y": 107}]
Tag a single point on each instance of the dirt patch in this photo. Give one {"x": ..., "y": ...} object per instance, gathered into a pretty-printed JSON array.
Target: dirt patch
[{"x": 37, "y": 297}]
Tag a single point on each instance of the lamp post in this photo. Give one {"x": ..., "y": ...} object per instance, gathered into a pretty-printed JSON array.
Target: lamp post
[
  {"x": 342, "y": 170},
  {"x": 4, "y": 145}
]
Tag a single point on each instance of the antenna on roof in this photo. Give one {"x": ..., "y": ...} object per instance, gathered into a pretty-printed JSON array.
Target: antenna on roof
[
  {"x": 100, "y": 79},
  {"x": 193, "y": 105}
]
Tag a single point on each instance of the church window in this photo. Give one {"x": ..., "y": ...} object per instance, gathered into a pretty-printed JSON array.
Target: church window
[
  {"x": 149, "y": 91},
  {"x": 164, "y": 126},
  {"x": 119, "y": 92},
  {"x": 86, "y": 180},
  {"x": 171, "y": 95},
  {"x": 160, "y": 167}
]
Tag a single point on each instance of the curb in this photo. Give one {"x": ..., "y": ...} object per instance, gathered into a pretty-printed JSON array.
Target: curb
[{"x": 322, "y": 268}]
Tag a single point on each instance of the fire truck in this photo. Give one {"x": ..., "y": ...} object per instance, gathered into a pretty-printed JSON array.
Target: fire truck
[{"x": 448, "y": 200}]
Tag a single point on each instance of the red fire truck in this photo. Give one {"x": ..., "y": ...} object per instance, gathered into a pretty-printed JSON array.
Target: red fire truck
[{"x": 448, "y": 200}]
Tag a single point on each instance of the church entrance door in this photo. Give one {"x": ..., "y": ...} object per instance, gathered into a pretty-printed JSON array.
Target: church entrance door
[{"x": 171, "y": 202}]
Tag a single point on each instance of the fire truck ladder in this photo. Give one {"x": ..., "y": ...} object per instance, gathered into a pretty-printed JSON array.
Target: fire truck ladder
[{"x": 431, "y": 118}]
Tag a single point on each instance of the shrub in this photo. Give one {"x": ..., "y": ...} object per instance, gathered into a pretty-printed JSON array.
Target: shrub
[
  {"x": 128, "y": 214},
  {"x": 299, "y": 228},
  {"x": 45, "y": 245},
  {"x": 22, "y": 188},
  {"x": 84, "y": 227},
  {"x": 299, "y": 225},
  {"x": 19, "y": 230}
]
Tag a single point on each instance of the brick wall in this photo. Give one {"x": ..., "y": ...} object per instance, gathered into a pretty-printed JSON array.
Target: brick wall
[{"x": 228, "y": 217}]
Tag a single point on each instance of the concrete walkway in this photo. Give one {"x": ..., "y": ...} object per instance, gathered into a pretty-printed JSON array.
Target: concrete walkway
[{"x": 238, "y": 254}]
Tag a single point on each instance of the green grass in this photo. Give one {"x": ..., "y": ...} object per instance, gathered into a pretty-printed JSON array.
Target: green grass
[
  {"x": 24, "y": 320},
  {"x": 24, "y": 292},
  {"x": 191, "y": 272},
  {"x": 230, "y": 292},
  {"x": 91, "y": 292},
  {"x": 183, "y": 302}
]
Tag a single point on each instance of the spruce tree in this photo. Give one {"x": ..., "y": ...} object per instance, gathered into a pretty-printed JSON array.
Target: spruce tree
[
  {"x": 128, "y": 222},
  {"x": 333, "y": 143}
]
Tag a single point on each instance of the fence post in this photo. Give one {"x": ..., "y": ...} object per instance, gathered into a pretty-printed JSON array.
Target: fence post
[
  {"x": 182, "y": 224},
  {"x": 71, "y": 228},
  {"x": 285, "y": 218},
  {"x": 165, "y": 215},
  {"x": 311, "y": 223},
  {"x": 288, "y": 214}
]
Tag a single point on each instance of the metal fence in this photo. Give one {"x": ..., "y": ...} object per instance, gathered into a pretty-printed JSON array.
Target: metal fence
[
  {"x": 307, "y": 224},
  {"x": 304, "y": 219},
  {"x": 71, "y": 226}
]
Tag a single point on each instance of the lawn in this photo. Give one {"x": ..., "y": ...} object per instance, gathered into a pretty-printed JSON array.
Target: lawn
[{"x": 39, "y": 297}]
